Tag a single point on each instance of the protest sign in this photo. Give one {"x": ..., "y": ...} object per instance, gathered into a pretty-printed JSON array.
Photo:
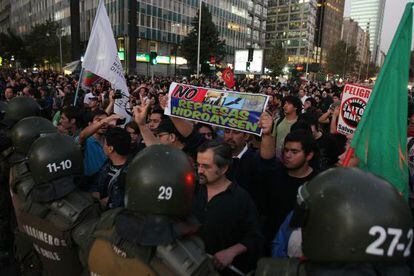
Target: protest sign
[
  {"x": 354, "y": 101},
  {"x": 238, "y": 111}
]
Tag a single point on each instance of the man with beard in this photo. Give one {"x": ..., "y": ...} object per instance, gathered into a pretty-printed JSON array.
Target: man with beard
[
  {"x": 229, "y": 220},
  {"x": 286, "y": 176}
]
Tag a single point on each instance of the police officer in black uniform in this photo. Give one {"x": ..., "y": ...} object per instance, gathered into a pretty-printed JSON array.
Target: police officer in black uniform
[
  {"x": 22, "y": 135},
  {"x": 151, "y": 235},
  {"x": 353, "y": 223},
  {"x": 17, "y": 109},
  {"x": 55, "y": 215}
]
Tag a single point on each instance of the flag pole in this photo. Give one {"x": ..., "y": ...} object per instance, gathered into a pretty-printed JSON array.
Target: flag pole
[
  {"x": 348, "y": 156},
  {"x": 77, "y": 87}
]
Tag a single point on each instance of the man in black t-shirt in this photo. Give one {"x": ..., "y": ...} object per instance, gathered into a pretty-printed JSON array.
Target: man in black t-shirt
[
  {"x": 229, "y": 220},
  {"x": 283, "y": 178},
  {"x": 110, "y": 182}
]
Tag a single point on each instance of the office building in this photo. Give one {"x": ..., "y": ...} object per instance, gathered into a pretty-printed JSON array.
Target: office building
[
  {"x": 370, "y": 14},
  {"x": 154, "y": 25},
  {"x": 328, "y": 27},
  {"x": 292, "y": 24},
  {"x": 354, "y": 35},
  {"x": 4, "y": 15}
]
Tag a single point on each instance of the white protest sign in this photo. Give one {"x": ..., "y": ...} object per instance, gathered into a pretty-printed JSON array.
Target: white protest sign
[{"x": 354, "y": 101}]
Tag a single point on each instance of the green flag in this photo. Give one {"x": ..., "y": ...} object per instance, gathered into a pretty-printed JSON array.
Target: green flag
[{"x": 381, "y": 136}]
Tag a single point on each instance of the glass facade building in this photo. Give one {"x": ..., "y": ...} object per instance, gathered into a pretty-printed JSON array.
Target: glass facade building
[
  {"x": 328, "y": 27},
  {"x": 4, "y": 15},
  {"x": 160, "y": 24},
  {"x": 370, "y": 14},
  {"x": 292, "y": 23}
]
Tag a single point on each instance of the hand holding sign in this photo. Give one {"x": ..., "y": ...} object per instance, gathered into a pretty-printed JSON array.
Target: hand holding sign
[
  {"x": 266, "y": 123},
  {"x": 163, "y": 99}
]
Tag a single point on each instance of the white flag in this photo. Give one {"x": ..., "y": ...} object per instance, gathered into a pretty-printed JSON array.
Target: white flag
[{"x": 101, "y": 58}]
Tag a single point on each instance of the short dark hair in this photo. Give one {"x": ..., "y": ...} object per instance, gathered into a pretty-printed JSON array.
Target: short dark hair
[
  {"x": 312, "y": 101},
  {"x": 98, "y": 112},
  {"x": 310, "y": 118},
  {"x": 158, "y": 110},
  {"x": 200, "y": 125},
  {"x": 223, "y": 155},
  {"x": 295, "y": 101},
  {"x": 305, "y": 138},
  {"x": 132, "y": 125},
  {"x": 301, "y": 125},
  {"x": 71, "y": 112},
  {"x": 119, "y": 139},
  {"x": 166, "y": 125}
]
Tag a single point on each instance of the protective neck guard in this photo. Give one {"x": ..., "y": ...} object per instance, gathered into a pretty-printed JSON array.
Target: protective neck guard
[
  {"x": 151, "y": 230},
  {"x": 53, "y": 190}
]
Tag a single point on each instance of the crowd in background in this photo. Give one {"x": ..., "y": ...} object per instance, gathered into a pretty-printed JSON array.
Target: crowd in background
[{"x": 253, "y": 195}]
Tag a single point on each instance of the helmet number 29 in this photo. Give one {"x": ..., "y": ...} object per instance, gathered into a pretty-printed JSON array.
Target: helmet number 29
[
  {"x": 165, "y": 193},
  {"x": 375, "y": 248},
  {"x": 64, "y": 165}
]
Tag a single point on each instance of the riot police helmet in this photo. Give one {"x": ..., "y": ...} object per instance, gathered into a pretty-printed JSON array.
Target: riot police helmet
[
  {"x": 354, "y": 216},
  {"x": 19, "y": 108},
  {"x": 160, "y": 181},
  {"x": 27, "y": 130},
  {"x": 53, "y": 157}
]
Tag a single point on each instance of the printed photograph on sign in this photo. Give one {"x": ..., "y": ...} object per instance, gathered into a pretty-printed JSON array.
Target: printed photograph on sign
[
  {"x": 238, "y": 111},
  {"x": 215, "y": 98},
  {"x": 234, "y": 102}
]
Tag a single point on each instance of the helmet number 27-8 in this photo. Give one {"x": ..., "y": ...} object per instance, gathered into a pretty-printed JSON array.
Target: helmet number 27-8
[
  {"x": 64, "y": 165},
  {"x": 375, "y": 248},
  {"x": 165, "y": 193}
]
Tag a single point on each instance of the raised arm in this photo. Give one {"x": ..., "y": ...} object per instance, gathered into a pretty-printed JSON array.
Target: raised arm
[
  {"x": 184, "y": 127},
  {"x": 140, "y": 117},
  {"x": 267, "y": 146}
]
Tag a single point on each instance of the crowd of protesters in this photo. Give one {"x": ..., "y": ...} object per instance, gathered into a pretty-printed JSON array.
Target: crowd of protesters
[{"x": 247, "y": 184}]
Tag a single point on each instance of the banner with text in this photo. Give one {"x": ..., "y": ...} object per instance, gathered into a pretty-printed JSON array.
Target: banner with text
[
  {"x": 238, "y": 111},
  {"x": 354, "y": 101}
]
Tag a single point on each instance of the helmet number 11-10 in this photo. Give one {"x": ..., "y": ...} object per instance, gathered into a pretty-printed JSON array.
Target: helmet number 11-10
[{"x": 64, "y": 165}]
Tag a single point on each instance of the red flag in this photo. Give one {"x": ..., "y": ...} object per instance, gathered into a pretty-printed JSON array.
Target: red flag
[
  {"x": 228, "y": 77},
  {"x": 89, "y": 79}
]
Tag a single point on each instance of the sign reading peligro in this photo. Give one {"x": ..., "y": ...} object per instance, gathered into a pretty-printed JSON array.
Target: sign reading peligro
[{"x": 354, "y": 101}]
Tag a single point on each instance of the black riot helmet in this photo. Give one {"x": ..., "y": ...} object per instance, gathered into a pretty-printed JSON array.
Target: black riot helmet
[
  {"x": 53, "y": 157},
  {"x": 27, "y": 130},
  {"x": 19, "y": 108},
  {"x": 3, "y": 106},
  {"x": 354, "y": 216},
  {"x": 160, "y": 181}
]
